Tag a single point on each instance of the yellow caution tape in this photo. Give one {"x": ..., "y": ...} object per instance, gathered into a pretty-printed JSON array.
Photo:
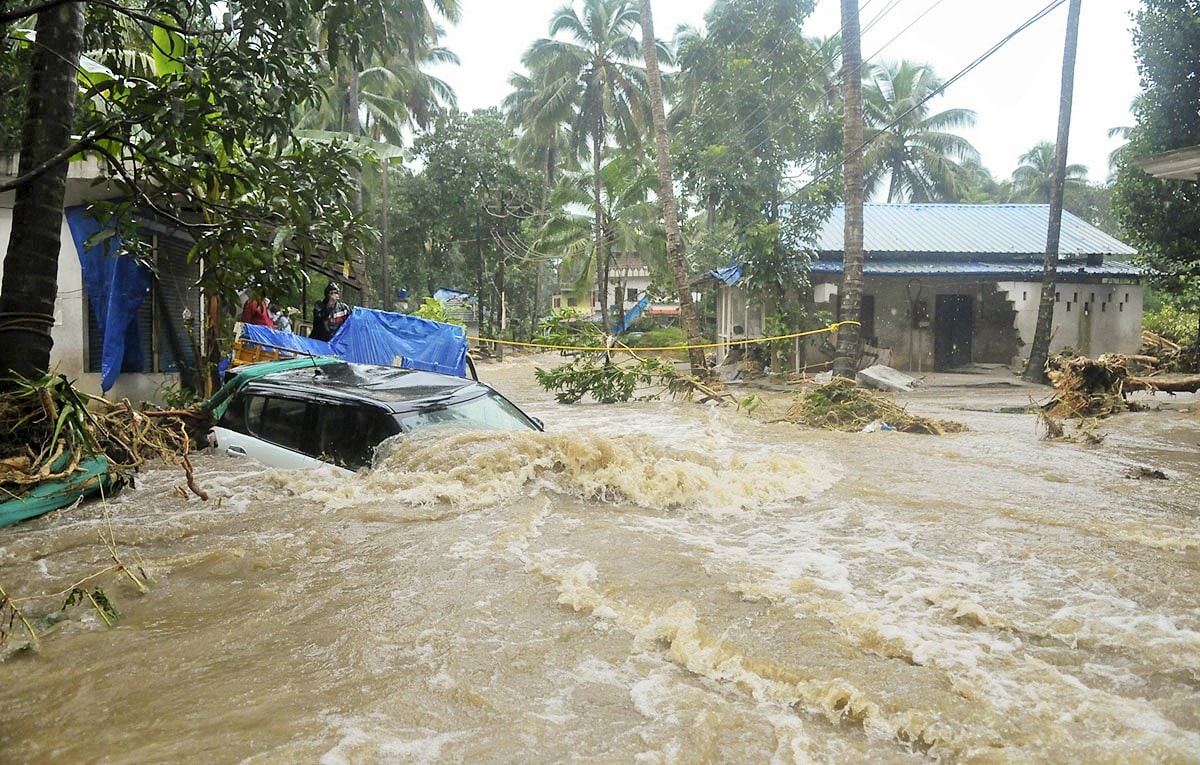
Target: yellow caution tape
[{"x": 544, "y": 346}]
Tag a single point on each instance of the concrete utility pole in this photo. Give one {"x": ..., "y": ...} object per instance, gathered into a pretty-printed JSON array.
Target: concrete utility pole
[
  {"x": 1039, "y": 351},
  {"x": 849, "y": 346}
]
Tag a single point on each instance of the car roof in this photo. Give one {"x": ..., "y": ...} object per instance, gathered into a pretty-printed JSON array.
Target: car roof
[{"x": 392, "y": 388}]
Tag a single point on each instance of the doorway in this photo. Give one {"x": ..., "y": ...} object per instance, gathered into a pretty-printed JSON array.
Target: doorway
[{"x": 953, "y": 327}]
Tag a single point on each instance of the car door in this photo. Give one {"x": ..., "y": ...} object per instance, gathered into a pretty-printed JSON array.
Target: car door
[{"x": 273, "y": 430}]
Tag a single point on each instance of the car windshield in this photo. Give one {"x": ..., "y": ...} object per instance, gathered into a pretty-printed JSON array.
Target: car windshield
[{"x": 490, "y": 412}]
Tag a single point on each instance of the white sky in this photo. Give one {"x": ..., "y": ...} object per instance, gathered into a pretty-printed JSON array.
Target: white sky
[{"x": 1015, "y": 93}]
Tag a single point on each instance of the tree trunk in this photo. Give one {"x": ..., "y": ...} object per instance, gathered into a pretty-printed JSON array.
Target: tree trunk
[
  {"x": 676, "y": 259},
  {"x": 385, "y": 269},
  {"x": 1035, "y": 368},
  {"x": 31, "y": 265},
  {"x": 1177, "y": 385},
  {"x": 845, "y": 363}
]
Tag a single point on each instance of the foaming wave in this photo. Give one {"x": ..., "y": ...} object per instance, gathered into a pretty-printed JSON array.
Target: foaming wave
[{"x": 477, "y": 469}]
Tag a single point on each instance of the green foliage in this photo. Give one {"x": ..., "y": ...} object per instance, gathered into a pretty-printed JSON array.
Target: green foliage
[
  {"x": 460, "y": 222},
  {"x": 1161, "y": 218},
  {"x": 915, "y": 150},
  {"x": 435, "y": 310},
  {"x": 1034, "y": 178},
  {"x": 174, "y": 396},
  {"x": 1173, "y": 322},
  {"x": 46, "y": 416},
  {"x": 754, "y": 110},
  {"x": 605, "y": 381},
  {"x": 570, "y": 327},
  {"x": 197, "y": 126},
  {"x": 594, "y": 372},
  {"x": 666, "y": 337}
]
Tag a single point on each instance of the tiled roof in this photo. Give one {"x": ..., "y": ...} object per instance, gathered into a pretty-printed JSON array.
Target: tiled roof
[{"x": 891, "y": 230}]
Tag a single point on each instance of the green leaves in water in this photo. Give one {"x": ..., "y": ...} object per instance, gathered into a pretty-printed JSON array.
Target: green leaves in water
[{"x": 604, "y": 380}]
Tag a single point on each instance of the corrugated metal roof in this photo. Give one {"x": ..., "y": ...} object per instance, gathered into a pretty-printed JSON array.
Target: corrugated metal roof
[
  {"x": 1004, "y": 270},
  {"x": 985, "y": 229}
]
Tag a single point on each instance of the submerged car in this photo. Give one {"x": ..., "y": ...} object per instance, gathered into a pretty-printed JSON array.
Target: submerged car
[{"x": 306, "y": 412}]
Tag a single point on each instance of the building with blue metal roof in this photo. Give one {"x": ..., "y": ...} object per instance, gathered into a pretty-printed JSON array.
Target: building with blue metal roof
[{"x": 946, "y": 285}]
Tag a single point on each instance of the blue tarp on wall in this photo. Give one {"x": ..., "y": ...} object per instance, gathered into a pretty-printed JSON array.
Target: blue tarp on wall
[{"x": 116, "y": 287}]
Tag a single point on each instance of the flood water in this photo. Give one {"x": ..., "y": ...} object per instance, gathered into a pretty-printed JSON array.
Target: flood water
[{"x": 658, "y": 582}]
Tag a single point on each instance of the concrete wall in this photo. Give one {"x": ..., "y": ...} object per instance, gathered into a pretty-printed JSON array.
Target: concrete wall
[
  {"x": 69, "y": 333},
  {"x": 1090, "y": 318}
]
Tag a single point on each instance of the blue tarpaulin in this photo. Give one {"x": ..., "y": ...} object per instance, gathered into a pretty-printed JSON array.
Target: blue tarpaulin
[
  {"x": 116, "y": 287},
  {"x": 274, "y": 339},
  {"x": 731, "y": 274},
  {"x": 632, "y": 314},
  {"x": 369, "y": 336}
]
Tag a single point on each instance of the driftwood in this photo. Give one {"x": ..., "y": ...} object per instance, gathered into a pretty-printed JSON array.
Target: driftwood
[
  {"x": 1097, "y": 387},
  {"x": 1173, "y": 385}
]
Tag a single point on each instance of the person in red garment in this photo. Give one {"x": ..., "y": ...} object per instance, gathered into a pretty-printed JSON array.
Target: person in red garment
[{"x": 256, "y": 311}]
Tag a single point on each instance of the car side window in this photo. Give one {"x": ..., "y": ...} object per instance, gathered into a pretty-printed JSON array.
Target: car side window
[
  {"x": 281, "y": 421},
  {"x": 347, "y": 434}
]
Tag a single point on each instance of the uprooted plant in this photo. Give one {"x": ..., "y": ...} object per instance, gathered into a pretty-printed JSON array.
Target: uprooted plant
[
  {"x": 839, "y": 405},
  {"x": 1086, "y": 387},
  {"x": 49, "y": 426},
  {"x": 607, "y": 370}
]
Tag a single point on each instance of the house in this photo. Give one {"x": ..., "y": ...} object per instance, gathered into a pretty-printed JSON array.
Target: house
[
  {"x": 945, "y": 285},
  {"x": 630, "y": 280},
  {"x": 122, "y": 328},
  {"x": 153, "y": 309}
]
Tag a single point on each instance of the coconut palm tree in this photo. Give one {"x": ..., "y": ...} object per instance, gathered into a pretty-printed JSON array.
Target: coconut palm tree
[
  {"x": 1034, "y": 178},
  {"x": 541, "y": 119},
  {"x": 629, "y": 219},
  {"x": 591, "y": 60},
  {"x": 906, "y": 144},
  {"x": 31, "y": 265}
]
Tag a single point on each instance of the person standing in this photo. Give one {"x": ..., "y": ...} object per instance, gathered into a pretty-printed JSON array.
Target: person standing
[
  {"x": 329, "y": 314},
  {"x": 257, "y": 311}
]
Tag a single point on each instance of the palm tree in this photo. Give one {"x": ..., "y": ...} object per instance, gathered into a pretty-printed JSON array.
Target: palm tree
[
  {"x": 666, "y": 193},
  {"x": 541, "y": 118},
  {"x": 596, "y": 69},
  {"x": 31, "y": 265},
  {"x": 906, "y": 144},
  {"x": 845, "y": 363},
  {"x": 1034, "y": 178},
  {"x": 629, "y": 221}
]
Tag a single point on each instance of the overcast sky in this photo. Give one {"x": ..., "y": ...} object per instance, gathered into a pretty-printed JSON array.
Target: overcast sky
[{"x": 1015, "y": 92}]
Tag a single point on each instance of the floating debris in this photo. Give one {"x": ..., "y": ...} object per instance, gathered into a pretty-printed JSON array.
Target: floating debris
[
  {"x": 1097, "y": 387},
  {"x": 839, "y": 405}
]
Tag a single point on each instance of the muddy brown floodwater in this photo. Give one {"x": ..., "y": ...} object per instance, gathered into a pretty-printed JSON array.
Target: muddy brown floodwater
[{"x": 655, "y": 582}]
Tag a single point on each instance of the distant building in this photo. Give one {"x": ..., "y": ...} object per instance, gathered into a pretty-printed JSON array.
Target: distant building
[
  {"x": 630, "y": 282},
  {"x": 945, "y": 285}
]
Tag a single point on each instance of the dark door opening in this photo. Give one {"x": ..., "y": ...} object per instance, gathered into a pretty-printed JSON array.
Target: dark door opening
[{"x": 953, "y": 327}]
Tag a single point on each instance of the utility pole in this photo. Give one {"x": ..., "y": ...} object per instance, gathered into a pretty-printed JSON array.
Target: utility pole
[{"x": 1039, "y": 351}]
